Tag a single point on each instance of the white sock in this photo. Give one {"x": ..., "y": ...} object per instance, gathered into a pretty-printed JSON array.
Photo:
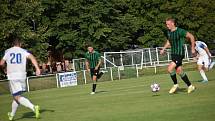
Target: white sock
[
  {"x": 25, "y": 102},
  {"x": 15, "y": 105},
  {"x": 211, "y": 65},
  {"x": 203, "y": 75}
]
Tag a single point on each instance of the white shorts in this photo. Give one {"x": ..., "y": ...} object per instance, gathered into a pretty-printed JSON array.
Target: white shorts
[
  {"x": 17, "y": 87},
  {"x": 203, "y": 60}
]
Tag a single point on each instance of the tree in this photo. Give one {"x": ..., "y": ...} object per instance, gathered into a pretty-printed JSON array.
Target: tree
[{"x": 64, "y": 27}]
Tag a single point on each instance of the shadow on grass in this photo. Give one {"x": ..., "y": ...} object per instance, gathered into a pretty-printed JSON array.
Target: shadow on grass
[
  {"x": 30, "y": 115},
  {"x": 182, "y": 90},
  {"x": 101, "y": 91},
  {"x": 200, "y": 80},
  {"x": 155, "y": 95}
]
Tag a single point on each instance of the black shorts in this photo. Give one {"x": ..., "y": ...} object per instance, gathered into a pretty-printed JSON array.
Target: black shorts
[
  {"x": 94, "y": 72},
  {"x": 177, "y": 59}
]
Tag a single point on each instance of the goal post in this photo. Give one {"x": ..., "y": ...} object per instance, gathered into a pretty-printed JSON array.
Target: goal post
[{"x": 123, "y": 58}]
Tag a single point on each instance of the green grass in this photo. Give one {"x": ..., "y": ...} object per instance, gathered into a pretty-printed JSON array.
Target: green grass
[{"x": 121, "y": 100}]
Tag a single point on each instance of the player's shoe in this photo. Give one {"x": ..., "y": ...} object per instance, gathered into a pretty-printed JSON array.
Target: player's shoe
[
  {"x": 37, "y": 111},
  {"x": 211, "y": 65},
  {"x": 173, "y": 89},
  {"x": 10, "y": 117},
  {"x": 92, "y": 93},
  {"x": 190, "y": 89},
  {"x": 204, "y": 81}
]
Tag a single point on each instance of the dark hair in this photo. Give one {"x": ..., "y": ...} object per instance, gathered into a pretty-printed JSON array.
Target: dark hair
[
  {"x": 172, "y": 20},
  {"x": 89, "y": 44},
  {"x": 16, "y": 41}
]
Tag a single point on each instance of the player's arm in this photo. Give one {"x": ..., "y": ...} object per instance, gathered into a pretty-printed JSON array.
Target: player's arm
[
  {"x": 2, "y": 65},
  {"x": 192, "y": 40},
  {"x": 208, "y": 52},
  {"x": 99, "y": 63},
  {"x": 87, "y": 63},
  {"x": 34, "y": 62},
  {"x": 2, "y": 62},
  {"x": 167, "y": 45}
]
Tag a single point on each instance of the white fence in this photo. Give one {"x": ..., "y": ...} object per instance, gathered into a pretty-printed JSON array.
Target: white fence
[{"x": 118, "y": 65}]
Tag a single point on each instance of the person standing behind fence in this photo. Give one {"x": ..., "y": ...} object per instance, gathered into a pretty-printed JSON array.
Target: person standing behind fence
[
  {"x": 93, "y": 62},
  {"x": 204, "y": 60},
  {"x": 176, "y": 38},
  {"x": 16, "y": 58}
]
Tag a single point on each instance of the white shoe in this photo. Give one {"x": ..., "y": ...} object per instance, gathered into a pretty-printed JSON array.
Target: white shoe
[
  {"x": 10, "y": 117},
  {"x": 92, "y": 93},
  {"x": 174, "y": 88},
  {"x": 190, "y": 89}
]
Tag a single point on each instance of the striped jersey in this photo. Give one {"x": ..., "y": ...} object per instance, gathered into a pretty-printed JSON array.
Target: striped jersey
[
  {"x": 16, "y": 58},
  {"x": 177, "y": 40},
  {"x": 93, "y": 58}
]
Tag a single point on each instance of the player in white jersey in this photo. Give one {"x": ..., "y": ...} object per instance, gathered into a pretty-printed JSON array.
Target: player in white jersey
[
  {"x": 16, "y": 58},
  {"x": 204, "y": 61}
]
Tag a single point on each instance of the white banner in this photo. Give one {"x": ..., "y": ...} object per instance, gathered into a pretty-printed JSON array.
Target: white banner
[{"x": 67, "y": 79}]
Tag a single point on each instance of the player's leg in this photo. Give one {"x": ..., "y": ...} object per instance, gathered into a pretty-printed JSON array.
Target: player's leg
[
  {"x": 26, "y": 102},
  {"x": 18, "y": 86},
  {"x": 15, "y": 86},
  {"x": 93, "y": 74},
  {"x": 171, "y": 71},
  {"x": 183, "y": 75},
  {"x": 94, "y": 84},
  {"x": 203, "y": 63},
  {"x": 185, "y": 78},
  {"x": 100, "y": 73},
  {"x": 14, "y": 107},
  {"x": 211, "y": 65}
]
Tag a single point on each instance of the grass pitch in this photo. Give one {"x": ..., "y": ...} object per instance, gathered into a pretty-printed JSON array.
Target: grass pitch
[{"x": 122, "y": 100}]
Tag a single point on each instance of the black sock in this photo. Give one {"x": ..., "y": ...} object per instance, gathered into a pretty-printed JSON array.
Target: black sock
[
  {"x": 94, "y": 88},
  {"x": 173, "y": 76},
  {"x": 185, "y": 79}
]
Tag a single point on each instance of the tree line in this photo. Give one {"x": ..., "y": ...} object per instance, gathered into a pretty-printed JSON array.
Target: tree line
[{"x": 65, "y": 27}]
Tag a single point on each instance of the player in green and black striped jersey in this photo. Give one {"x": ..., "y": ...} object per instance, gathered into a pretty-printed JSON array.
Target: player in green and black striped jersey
[
  {"x": 175, "y": 39},
  {"x": 93, "y": 62}
]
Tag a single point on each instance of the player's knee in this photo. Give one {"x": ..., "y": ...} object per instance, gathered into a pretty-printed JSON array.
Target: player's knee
[
  {"x": 17, "y": 98},
  {"x": 199, "y": 67},
  {"x": 94, "y": 78},
  {"x": 179, "y": 70},
  {"x": 170, "y": 69},
  {"x": 206, "y": 69}
]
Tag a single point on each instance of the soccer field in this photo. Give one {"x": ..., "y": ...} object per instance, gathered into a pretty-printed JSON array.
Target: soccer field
[{"x": 122, "y": 100}]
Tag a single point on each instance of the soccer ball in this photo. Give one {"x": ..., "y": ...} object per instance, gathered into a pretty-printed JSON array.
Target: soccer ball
[{"x": 155, "y": 87}]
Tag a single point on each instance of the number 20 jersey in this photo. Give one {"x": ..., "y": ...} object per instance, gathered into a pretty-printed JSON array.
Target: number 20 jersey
[{"x": 16, "y": 58}]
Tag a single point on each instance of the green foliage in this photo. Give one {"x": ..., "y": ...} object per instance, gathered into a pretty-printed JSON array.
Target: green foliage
[
  {"x": 66, "y": 26},
  {"x": 22, "y": 18}
]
